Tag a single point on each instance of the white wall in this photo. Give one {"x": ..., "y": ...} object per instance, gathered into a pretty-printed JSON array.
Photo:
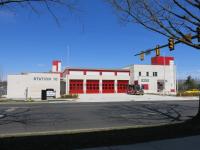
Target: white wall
[
  {"x": 35, "y": 82},
  {"x": 167, "y": 72}
]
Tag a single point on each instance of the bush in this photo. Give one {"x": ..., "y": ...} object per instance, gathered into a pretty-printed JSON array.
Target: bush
[
  {"x": 187, "y": 94},
  {"x": 69, "y": 96}
]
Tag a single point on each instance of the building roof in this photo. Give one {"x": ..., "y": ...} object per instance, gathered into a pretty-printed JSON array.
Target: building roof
[{"x": 96, "y": 69}]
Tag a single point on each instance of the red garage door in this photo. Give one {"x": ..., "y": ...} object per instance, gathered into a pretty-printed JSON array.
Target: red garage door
[
  {"x": 108, "y": 86},
  {"x": 76, "y": 86},
  {"x": 92, "y": 86},
  {"x": 122, "y": 86}
]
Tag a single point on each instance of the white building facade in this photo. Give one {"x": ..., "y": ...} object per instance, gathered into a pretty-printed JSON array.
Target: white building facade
[
  {"x": 30, "y": 85},
  {"x": 159, "y": 77}
]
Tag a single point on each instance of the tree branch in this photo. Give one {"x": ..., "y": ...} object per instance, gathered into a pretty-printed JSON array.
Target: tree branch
[
  {"x": 188, "y": 12},
  {"x": 193, "y": 4},
  {"x": 177, "y": 15}
]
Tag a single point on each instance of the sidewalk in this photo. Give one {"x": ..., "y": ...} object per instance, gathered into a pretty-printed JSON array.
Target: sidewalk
[
  {"x": 125, "y": 97},
  {"x": 104, "y": 98},
  {"x": 187, "y": 143}
]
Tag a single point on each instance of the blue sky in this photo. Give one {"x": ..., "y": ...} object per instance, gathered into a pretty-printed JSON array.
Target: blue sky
[{"x": 95, "y": 37}]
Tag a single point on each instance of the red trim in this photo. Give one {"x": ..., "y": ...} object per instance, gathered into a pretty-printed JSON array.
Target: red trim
[
  {"x": 61, "y": 75},
  {"x": 55, "y": 63},
  {"x": 97, "y": 70},
  {"x": 84, "y": 72},
  {"x": 172, "y": 90},
  {"x": 160, "y": 60}
]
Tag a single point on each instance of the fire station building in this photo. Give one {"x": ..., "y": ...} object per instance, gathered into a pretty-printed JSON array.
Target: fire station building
[{"x": 157, "y": 77}]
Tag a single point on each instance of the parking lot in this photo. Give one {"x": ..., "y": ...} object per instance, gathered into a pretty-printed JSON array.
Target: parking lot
[{"x": 68, "y": 116}]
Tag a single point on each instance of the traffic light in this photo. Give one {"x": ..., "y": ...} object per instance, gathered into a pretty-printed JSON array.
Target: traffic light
[
  {"x": 171, "y": 44},
  {"x": 142, "y": 56},
  {"x": 157, "y": 50},
  {"x": 198, "y": 34}
]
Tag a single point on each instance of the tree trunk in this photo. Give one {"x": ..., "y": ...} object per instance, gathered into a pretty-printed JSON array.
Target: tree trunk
[
  {"x": 197, "y": 117},
  {"x": 198, "y": 114}
]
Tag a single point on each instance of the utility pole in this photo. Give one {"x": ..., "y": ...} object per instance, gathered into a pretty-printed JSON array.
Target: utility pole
[
  {"x": 67, "y": 76},
  {"x": 68, "y": 55},
  {"x": 164, "y": 75},
  {"x": 177, "y": 86}
]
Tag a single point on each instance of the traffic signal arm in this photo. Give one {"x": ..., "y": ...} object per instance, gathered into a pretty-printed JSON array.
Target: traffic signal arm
[{"x": 163, "y": 46}]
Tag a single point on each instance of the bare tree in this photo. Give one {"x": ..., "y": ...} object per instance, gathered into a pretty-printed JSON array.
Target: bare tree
[
  {"x": 36, "y": 5},
  {"x": 170, "y": 18}
]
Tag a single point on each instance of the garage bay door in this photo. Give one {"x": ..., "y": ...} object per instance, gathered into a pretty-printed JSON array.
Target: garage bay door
[
  {"x": 76, "y": 86},
  {"x": 122, "y": 86},
  {"x": 108, "y": 86},
  {"x": 92, "y": 86}
]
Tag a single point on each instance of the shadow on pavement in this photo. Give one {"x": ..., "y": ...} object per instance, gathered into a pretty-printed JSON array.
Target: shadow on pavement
[{"x": 65, "y": 141}]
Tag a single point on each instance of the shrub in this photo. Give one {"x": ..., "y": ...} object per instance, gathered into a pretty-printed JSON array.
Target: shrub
[
  {"x": 69, "y": 96},
  {"x": 187, "y": 94}
]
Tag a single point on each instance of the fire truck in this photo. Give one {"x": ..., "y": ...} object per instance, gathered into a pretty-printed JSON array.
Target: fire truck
[{"x": 135, "y": 90}]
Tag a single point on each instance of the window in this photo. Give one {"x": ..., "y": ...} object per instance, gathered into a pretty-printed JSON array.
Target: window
[
  {"x": 147, "y": 74},
  {"x": 155, "y": 74},
  {"x": 140, "y": 73}
]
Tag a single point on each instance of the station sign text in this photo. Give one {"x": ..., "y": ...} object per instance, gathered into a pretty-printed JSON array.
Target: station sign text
[{"x": 44, "y": 79}]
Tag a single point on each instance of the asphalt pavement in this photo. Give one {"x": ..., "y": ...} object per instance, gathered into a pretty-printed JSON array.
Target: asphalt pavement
[{"x": 26, "y": 118}]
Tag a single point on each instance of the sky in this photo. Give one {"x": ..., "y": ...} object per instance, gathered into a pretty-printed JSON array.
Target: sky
[{"x": 92, "y": 37}]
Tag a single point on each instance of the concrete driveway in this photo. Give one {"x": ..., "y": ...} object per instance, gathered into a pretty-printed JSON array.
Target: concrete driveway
[{"x": 126, "y": 97}]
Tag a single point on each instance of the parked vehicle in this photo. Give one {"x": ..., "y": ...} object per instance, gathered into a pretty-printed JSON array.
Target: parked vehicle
[{"x": 135, "y": 90}]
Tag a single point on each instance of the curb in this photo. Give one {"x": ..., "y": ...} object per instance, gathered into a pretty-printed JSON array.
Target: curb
[{"x": 65, "y": 132}]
